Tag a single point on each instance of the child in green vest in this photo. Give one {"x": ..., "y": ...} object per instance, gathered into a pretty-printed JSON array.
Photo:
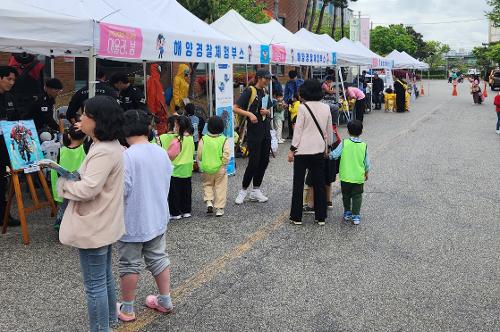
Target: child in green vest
[
  {"x": 214, "y": 153},
  {"x": 167, "y": 138},
  {"x": 71, "y": 156},
  {"x": 181, "y": 151},
  {"x": 354, "y": 168}
]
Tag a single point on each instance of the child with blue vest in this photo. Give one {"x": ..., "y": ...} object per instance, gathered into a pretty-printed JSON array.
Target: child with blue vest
[
  {"x": 353, "y": 170},
  {"x": 147, "y": 180},
  {"x": 214, "y": 153},
  {"x": 181, "y": 151},
  {"x": 70, "y": 157}
]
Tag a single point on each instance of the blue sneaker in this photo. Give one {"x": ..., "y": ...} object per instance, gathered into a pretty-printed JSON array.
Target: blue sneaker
[
  {"x": 356, "y": 220},
  {"x": 347, "y": 215}
]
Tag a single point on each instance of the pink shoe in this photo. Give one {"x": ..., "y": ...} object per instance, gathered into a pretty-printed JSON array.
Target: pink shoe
[
  {"x": 152, "y": 303},
  {"x": 124, "y": 317}
]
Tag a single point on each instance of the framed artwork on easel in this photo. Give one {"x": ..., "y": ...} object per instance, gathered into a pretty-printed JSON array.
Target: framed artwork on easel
[{"x": 21, "y": 140}]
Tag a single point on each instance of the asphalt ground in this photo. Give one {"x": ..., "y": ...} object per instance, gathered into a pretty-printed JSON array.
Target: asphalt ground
[{"x": 425, "y": 257}]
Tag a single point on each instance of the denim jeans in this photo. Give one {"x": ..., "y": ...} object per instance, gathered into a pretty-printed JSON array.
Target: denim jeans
[
  {"x": 498, "y": 120},
  {"x": 100, "y": 287}
]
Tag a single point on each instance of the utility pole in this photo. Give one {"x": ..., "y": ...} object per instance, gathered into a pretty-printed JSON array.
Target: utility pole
[
  {"x": 359, "y": 26},
  {"x": 276, "y": 9}
]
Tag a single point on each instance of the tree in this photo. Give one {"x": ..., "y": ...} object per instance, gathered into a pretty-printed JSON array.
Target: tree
[
  {"x": 334, "y": 21},
  {"x": 494, "y": 15},
  {"x": 395, "y": 37},
  {"x": 418, "y": 38},
  {"x": 487, "y": 55},
  {"x": 326, "y": 3},
  {"x": 211, "y": 10},
  {"x": 313, "y": 15},
  {"x": 435, "y": 53},
  {"x": 308, "y": 11}
]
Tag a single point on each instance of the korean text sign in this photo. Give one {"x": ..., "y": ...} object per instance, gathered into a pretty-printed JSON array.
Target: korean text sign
[{"x": 119, "y": 41}]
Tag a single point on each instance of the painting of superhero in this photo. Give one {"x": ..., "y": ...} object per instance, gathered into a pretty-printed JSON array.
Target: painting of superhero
[{"x": 22, "y": 142}]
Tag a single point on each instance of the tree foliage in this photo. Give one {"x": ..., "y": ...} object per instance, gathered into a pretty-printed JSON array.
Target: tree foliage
[
  {"x": 487, "y": 55},
  {"x": 494, "y": 14},
  {"x": 435, "y": 53},
  {"x": 394, "y": 37},
  {"x": 211, "y": 10}
]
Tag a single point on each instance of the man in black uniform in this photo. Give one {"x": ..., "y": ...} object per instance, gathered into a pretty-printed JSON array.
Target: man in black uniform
[
  {"x": 378, "y": 88},
  {"x": 258, "y": 135},
  {"x": 7, "y": 112},
  {"x": 42, "y": 111},
  {"x": 129, "y": 97},
  {"x": 79, "y": 98}
]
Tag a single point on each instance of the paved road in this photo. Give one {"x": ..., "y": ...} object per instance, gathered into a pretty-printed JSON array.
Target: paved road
[{"x": 424, "y": 259}]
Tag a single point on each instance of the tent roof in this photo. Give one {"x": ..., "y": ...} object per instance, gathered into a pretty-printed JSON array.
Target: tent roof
[
  {"x": 38, "y": 26},
  {"x": 38, "y": 29},
  {"x": 271, "y": 33},
  {"x": 418, "y": 64},
  {"x": 351, "y": 48},
  {"x": 346, "y": 55},
  {"x": 237, "y": 27},
  {"x": 401, "y": 61}
]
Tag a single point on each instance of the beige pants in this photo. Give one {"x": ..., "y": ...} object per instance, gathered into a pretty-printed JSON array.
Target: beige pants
[{"x": 215, "y": 188}]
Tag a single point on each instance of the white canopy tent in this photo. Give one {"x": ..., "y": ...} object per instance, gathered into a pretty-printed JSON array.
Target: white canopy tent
[
  {"x": 345, "y": 56},
  {"x": 377, "y": 60},
  {"x": 34, "y": 29},
  {"x": 130, "y": 30},
  {"x": 418, "y": 64},
  {"x": 284, "y": 46},
  {"x": 404, "y": 61}
]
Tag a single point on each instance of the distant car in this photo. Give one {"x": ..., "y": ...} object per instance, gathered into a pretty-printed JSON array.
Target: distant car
[
  {"x": 495, "y": 79},
  {"x": 473, "y": 71}
]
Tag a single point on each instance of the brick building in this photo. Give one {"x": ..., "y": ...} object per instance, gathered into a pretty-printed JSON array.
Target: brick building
[{"x": 291, "y": 13}]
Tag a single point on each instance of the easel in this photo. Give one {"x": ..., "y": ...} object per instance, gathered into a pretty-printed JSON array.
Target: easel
[{"x": 15, "y": 189}]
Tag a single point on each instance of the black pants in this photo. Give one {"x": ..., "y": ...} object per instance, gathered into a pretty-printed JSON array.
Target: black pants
[
  {"x": 315, "y": 164},
  {"x": 359, "y": 109},
  {"x": 377, "y": 100},
  {"x": 179, "y": 196},
  {"x": 258, "y": 159}
]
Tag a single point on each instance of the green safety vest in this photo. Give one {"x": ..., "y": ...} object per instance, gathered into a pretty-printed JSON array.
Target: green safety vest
[
  {"x": 183, "y": 163},
  {"x": 166, "y": 139},
  {"x": 352, "y": 162},
  {"x": 70, "y": 159},
  {"x": 211, "y": 158}
]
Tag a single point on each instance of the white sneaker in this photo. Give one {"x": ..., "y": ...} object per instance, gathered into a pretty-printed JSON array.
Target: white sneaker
[
  {"x": 219, "y": 213},
  {"x": 241, "y": 197},
  {"x": 186, "y": 215},
  {"x": 281, "y": 141},
  {"x": 498, "y": 132},
  {"x": 210, "y": 207},
  {"x": 175, "y": 217},
  {"x": 257, "y": 196}
]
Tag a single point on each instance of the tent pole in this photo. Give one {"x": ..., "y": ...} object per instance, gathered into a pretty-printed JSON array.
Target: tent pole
[
  {"x": 144, "y": 64},
  {"x": 52, "y": 64},
  {"x": 246, "y": 71},
  {"x": 271, "y": 91},
  {"x": 92, "y": 72},
  {"x": 371, "y": 91},
  {"x": 210, "y": 88}
]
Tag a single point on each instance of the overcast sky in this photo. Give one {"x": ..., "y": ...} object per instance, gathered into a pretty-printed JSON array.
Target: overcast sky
[{"x": 457, "y": 35}]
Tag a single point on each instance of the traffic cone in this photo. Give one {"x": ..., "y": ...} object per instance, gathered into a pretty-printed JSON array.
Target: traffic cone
[
  {"x": 485, "y": 91},
  {"x": 454, "y": 93},
  {"x": 422, "y": 93}
]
